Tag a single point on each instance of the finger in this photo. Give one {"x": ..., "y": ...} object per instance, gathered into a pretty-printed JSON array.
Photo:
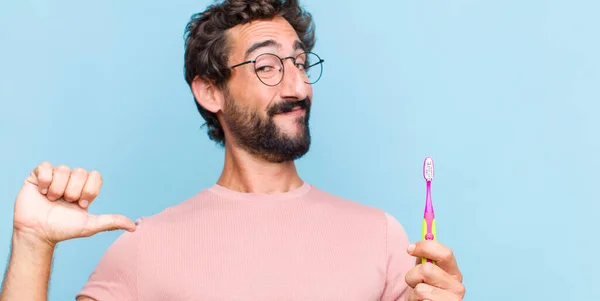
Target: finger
[
  {"x": 75, "y": 184},
  {"x": 413, "y": 297},
  {"x": 107, "y": 222},
  {"x": 60, "y": 177},
  {"x": 432, "y": 274},
  {"x": 42, "y": 176},
  {"x": 91, "y": 189},
  {"x": 425, "y": 291},
  {"x": 442, "y": 255}
]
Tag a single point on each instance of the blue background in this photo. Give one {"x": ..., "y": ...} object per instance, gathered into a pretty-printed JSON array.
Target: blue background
[{"x": 503, "y": 94}]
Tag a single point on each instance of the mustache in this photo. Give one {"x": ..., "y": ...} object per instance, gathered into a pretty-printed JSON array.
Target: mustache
[{"x": 287, "y": 106}]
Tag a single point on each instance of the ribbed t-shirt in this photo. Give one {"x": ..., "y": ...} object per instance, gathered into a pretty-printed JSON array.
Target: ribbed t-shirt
[{"x": 301, "y": 245}]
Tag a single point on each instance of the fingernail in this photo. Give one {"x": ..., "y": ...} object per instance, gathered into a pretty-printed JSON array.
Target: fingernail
[
  {"x": 411, "y": 248},
  {"x": 45, "y": 190},
  {"x": 83, "y": 203}
]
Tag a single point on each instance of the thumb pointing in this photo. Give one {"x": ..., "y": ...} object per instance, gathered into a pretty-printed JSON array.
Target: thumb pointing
[{"x": 108, "y": 222}]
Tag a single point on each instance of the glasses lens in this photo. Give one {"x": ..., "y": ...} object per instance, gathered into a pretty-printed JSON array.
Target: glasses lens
[
  {"x": 312, "y": 66},
  {"x": 269, "y": 69}
]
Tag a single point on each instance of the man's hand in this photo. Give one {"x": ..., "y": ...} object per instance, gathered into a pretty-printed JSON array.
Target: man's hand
[
  {"x": 52, "y": 206},
  {"x": 441, "y": 281}
]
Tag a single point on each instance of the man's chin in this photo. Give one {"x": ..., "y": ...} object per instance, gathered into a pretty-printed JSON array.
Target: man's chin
[
  {"x": 297, "y": 137},
  {"x": 290, "y": 154},
  {"x": 291, "y": 135},
  {"x": 293, "y": 128}
]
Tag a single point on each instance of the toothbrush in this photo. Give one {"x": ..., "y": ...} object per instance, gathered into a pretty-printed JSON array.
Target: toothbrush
[{"x": 428, "y": 216}]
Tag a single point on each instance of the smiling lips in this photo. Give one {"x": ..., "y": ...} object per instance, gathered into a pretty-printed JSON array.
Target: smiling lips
[
  {"x": 294, "y": 112},
  {"x": 290, "y": 108}
]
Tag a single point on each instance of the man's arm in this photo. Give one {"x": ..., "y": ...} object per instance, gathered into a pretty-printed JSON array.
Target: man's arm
[
  {"x": 399, "y": 262},
  {"x": 28, "y": 270}
]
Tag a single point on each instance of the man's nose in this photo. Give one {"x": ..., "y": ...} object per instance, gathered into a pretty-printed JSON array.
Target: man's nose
[{"x": 293, "y": 84}]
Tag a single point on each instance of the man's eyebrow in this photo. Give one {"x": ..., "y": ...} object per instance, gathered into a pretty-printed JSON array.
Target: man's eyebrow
[
  {"x": 256, "y": 46},
  {"x": 270, "y": 43},
  {"x": 299, "y": 46}
]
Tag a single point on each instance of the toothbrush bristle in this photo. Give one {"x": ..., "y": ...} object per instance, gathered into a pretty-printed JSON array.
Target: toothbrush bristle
[{"x": 428, "y": 169}]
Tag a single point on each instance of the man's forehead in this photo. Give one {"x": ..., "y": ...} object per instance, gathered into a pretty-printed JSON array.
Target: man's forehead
[{"x": 277, "y": 30}]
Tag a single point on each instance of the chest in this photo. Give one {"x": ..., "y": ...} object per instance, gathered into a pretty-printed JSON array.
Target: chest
[{"x": 261, "y": 263}]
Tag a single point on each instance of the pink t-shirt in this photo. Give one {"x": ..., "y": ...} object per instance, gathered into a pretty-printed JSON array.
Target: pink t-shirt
[{"x": 303, "y": 245}]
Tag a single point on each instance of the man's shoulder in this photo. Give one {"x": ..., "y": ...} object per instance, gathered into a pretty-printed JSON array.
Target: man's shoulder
[
  {"x": 346, "y": 205},
  {"x": 178, "y": 213},
  {"x": 369, "y": 217}
]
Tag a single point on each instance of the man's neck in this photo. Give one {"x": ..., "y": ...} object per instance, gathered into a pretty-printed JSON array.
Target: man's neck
[{"x": 247, "y": 173}]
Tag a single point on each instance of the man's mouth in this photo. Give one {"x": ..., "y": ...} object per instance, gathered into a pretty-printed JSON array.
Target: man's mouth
[
  {"x": 297, "y": 110},
  {"x": 290, "y": 108}
]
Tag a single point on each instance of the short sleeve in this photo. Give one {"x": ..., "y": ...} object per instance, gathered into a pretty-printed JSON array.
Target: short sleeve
[
  {"x": 115, "y": 276},
  {"x": 399, "y": 262}
]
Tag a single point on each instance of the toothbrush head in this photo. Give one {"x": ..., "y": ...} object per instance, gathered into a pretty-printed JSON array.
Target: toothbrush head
[{"x": 428, "y": 169}]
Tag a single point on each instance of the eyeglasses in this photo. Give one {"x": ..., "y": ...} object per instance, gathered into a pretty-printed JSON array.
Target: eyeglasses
[{"x": 269, "y": 67}]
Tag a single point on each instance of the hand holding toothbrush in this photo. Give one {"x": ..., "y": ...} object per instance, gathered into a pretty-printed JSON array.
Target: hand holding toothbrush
[
  {"x": 436, "y": 277},
  {"x": 441, "y": 281}
]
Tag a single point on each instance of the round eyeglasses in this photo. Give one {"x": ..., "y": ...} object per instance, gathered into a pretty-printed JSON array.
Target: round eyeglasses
[{"x": 269, "y": 67}]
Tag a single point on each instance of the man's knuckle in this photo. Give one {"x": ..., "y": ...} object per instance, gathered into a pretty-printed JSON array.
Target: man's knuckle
[
  {"x": 62, "y": 168},
  {"x": 427, "y": 270},
  {"x": 79, "y": 171},
  {"x": 45, "y": 177},
  {"x": 54, "y": 193},
  {"x": 89, "y": 192},
  {"x": 448, "y": 254},
  {"x": 461, "y": 290},
  {"x": 422, "y": 289},
  {"x": 96, "y": 174},
  {"x": 70, "y": 196}
]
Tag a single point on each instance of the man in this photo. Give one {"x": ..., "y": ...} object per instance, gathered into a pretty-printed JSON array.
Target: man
[{"x": 261, "y": 232}]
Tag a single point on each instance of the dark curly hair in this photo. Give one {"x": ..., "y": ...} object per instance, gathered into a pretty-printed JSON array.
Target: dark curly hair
[{"x": 207, "y": 48}]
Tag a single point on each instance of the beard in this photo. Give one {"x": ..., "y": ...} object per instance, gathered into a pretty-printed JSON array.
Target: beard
[{"x": 260, "y": 136}]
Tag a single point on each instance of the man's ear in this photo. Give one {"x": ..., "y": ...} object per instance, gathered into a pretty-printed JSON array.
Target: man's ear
[{"x": 207, "y": 94}]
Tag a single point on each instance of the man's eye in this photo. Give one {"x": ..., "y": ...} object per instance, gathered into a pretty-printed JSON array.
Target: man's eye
[{"x": 265, "y": 69}]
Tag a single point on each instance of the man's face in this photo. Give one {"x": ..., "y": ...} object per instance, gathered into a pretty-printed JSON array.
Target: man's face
[{"x": 268, "y": 121}]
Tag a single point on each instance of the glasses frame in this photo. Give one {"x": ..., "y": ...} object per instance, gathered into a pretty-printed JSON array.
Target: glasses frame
[{"x": 293, "y": 58}]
